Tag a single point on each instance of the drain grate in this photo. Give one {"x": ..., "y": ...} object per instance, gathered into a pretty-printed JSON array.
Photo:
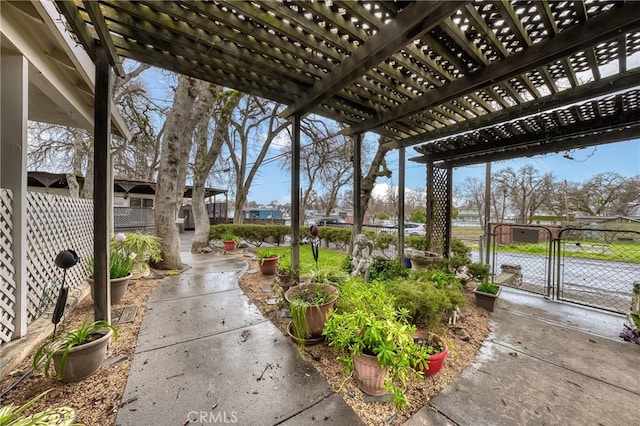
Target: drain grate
[{"x": 123, "y": 315}]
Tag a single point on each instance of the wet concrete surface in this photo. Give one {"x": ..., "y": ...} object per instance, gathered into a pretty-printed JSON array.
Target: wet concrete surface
[
  {"x": 205, "y": 355},
  {"x": 544, "y": 363}
]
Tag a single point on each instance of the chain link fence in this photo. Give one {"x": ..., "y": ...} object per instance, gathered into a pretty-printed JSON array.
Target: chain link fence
[
  {"x": 522, "y": 257},
  {"x": 597, "y": 267}
]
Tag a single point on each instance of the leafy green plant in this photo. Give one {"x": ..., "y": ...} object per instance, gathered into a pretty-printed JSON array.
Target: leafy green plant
[
  {"x": 478, "y": 271},
  {"x": 298, "y": 311},
  {"x": 487, "y": 287},
  {"x": 264, "y": 254},
  {"x": 284, "y": 265},
  {"x": 228, "y": 236},
  {"x": 139, "y": 246},
  {"x": 63, "y": 342},
  {"x": 11, "y": 415},
  {"x": 387, "y": 269},
  {"x": 366, "y": 322},
  {"x": 327, "y": 274},
  {"x": 418, "y": 242},
  {"x": 120, "y": 265},
  {"x": 427, "y": 294}
]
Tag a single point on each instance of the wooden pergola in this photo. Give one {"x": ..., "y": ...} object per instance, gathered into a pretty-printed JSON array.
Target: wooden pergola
[{"x": 469, "y": 81}]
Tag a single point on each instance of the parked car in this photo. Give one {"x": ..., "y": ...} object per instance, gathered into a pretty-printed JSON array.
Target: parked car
[
  {"x": 411, "y": 228},
  {"x": 331, "y": 221}
]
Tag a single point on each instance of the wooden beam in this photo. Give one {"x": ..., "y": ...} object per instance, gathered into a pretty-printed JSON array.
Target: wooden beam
[
  {"x": 601, "y": 28},
  {"x": 295, "y": 196},
  {"x": 585, "y": 92},
  {"x": 511, "y": 18},
  {"x": 545, "y": 146},
  {"x": 410, "y": 24},
  {"x": 78, "y": 26},
  {"x": 546, "y": 16},
  {"x": 581, "y": 129},
  {"x": 622, "y": 53},
  {"x": 100, "y": 27},
  {"x": 593, "y": 63}
]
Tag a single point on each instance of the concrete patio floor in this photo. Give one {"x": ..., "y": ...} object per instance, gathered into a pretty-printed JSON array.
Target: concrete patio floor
[
  {"x": 544, "y": 363},
  {"x": 205, "y": 355}
]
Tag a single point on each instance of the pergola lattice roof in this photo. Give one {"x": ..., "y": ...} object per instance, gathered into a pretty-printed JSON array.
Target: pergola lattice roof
[{"x": 412, "y": 71}]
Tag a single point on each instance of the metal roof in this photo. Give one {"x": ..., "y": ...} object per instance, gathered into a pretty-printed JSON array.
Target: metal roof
[{"x": 413, "y": 71}]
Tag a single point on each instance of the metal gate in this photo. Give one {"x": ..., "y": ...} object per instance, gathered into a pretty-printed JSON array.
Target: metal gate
[
  {"x": 522, "y": 257},
  {"x": 597, "y": 267}
]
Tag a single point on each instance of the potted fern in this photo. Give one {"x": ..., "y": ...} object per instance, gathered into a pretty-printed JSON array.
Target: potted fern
[
  {"x": 78, "y": 353},
  {"x": 120, "y": 267}
]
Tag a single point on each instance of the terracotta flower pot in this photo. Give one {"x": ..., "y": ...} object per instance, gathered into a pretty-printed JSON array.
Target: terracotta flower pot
[
  {"x": 229, "y": 245},
  {"x": 370, "y": 376},
  {"x": 315, "y": 315},
  {"x": 269, "y": 266},
  {"x": 83, "y": 360},
  {"x": 436, "y": 361},
  {"x": 118, "y": 287}
]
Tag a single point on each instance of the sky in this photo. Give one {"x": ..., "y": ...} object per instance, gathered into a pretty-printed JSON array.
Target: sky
[{"x": 273, "y": 183}]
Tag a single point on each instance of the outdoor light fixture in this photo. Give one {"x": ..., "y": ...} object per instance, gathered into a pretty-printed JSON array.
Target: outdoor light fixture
[{"x": 64, "y": 260}]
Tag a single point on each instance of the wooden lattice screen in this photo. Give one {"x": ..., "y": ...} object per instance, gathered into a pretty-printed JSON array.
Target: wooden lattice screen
[
  {"x": 438, "y": 209},
  {"x": 7, "y": 272},
  {"x": 55, "y": 223}
]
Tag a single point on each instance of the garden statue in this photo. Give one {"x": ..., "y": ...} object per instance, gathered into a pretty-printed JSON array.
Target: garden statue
[{"x": 362, "y": 257}]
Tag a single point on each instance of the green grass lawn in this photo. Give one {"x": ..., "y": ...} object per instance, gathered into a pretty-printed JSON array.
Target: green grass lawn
[
  {"x": 326, "y": 258},
  {"x": 629, "y": 253}
]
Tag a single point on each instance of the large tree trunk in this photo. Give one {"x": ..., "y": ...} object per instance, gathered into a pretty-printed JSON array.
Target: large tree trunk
[
  {"x": 192, "y": 100},
  {"x": 377, "y": 169},
  {"x": 205, "y": 159}
]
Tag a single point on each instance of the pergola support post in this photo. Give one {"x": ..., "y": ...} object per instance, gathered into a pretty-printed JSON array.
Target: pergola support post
[
  {"x": 295, "y": 197},
  {"x": 357, "y": 185},
  {"x": 101, "y": 190},
  {"x": 14, "y": 102},
  {"x": 401, "y": 194}
]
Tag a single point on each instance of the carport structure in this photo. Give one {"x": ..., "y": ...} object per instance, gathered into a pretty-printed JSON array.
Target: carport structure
[{"x": 469, "y": 82}]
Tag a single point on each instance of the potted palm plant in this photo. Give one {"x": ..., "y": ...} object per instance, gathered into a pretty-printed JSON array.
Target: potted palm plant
[
  {"x": 120, "y": 267},
  {"x": 377, "y": 340},
  {"x": 268, "y": 261},
  {"x": 487, "y": 295},
  {"x": 230, "y": 241},
  {"x": 78, "y": 353}
]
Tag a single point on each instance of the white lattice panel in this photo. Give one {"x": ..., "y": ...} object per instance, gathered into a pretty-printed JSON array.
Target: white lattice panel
[
  {"x": 7, "y": 272},
  {"x": 55, "y": 223}
]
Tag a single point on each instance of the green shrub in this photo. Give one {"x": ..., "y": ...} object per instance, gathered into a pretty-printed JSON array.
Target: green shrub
[
  {"x": 418, "y": 242},
  {"x": 426, "y": 295},
  {"x": 478, "y": 271},
  {"x": 386, "y": 270}
]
